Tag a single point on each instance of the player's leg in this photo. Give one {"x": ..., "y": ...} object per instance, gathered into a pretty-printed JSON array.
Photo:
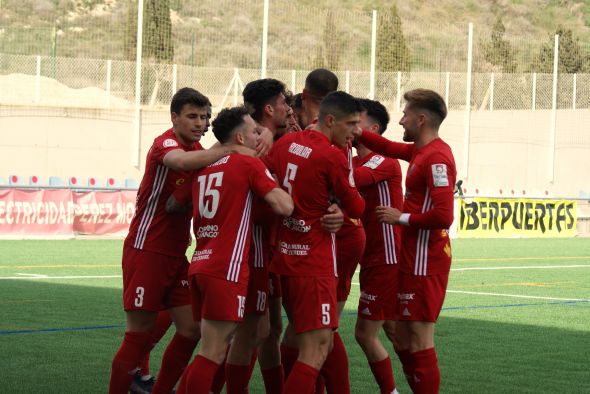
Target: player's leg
[
  {"x": 367, "y": 336},
  {"x": 183, "y": 343},
  {"x": 142, "y": 298},
  {"x": 239, "y": 359},
  {"x": 269, "y": 356},
  {"x": 215, "y": 339}
]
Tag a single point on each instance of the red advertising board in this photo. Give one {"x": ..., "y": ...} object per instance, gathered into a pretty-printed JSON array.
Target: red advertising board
[{"x": 64, "y": 213}]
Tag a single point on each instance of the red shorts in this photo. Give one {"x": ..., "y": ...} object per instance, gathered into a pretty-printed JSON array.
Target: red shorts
[
  {"x": 378, "y": 292},
  {"x": 153, "y": 281},
  {"x": 274, "y": 285},
  {"x": 350, "y": 246},
  {"x": 420, "y": 298},
  {"x": 310, "y": 302},
  {"x": 217, "y": 299},
  {"x": 256, "y": 300}
]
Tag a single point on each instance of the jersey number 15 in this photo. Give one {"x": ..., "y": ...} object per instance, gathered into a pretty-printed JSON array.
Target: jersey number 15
[{"x": 207, "y": 188}]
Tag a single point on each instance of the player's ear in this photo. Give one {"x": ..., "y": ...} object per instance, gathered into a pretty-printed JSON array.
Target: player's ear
[
  {"x": 330, "y": 120},
  {"x": 268, "y": 109},
  {"x": 173, "y": 117},
  {"x": 239, "y": 138}
]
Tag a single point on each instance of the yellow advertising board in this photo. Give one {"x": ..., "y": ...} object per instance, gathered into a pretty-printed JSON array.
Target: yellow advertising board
[{"x": 516, "y": 217}]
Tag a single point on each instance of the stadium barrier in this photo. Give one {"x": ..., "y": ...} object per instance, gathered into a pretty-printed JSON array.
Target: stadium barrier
[{"x": 64, "y": 213}]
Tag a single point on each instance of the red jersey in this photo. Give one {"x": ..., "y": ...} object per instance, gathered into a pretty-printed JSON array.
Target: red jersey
[
  {"x": 223, "y": 193},
  {"x": 309, "y": 168},
  {"x": 152, "y": 228},
  {"x": 260, "y": 249},
  {"x": 379, "y": 179},
  {"x": 430, "y": 183}
]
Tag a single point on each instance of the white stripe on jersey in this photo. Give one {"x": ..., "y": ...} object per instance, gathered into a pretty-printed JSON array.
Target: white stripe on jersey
[
  {"x": 421, "y": 263},
  {"x": 257, "y": 238},
  {"x": 233, "y": 274},
  {"x": 388, "y": 238},
  {"x": 150, "y": 210},
  {"x": 334, "y": 253}
]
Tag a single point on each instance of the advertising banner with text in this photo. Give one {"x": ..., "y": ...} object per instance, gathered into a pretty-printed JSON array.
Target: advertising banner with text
[
  {"x": 509, "y": 218},
  {"x": 64, "y": 213}
]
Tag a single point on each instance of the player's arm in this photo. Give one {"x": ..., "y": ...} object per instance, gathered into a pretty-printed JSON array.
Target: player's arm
[
  {"x": 385, "y": 147},
  {"x": 180, "y": 200},
  {"x": 181, "y": 160},
  {"x": 440, "y": 188},
  {"x": 375, "y": 171},
  {"x": 280, "y": 201},
  {"x": 343, "y": 186},
  {"x": 333, "y": 220}
]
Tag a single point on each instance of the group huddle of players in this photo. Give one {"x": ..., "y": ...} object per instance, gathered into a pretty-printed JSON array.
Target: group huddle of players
[{"x": 283, "y": 214}]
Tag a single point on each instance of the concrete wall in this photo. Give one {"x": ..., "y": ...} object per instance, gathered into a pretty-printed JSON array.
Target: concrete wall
[{"x": 508, "y": 150}]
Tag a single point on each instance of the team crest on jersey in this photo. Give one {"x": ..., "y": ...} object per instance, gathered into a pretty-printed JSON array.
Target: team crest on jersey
[
  {"x": 169, "y": 143},
  {"x": 179, "y": 181},
  {"x": 439, "y": 175},
  {"x": 374, "y": 162}
]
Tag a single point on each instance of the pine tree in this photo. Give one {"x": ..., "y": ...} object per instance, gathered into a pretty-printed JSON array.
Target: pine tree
[
  {"x": 393, "y": 53},
  {"x": 499, "y": 51},
  {"x": 571, "y": 60}
]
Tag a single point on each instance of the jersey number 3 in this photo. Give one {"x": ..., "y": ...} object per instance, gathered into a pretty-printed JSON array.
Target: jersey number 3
[{"x": 207, "y": 188}]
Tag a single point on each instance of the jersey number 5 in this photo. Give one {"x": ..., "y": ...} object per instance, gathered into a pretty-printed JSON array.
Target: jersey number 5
[
  {"x": 290, "y": 176},
  {"x": 207, "y": 185}
]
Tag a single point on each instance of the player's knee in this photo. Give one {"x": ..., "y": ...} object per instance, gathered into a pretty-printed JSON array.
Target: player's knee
[
  {"x": 262, "y": 334},
  {"x": 362, "y": 336},
  {"x": 190, "y": 330}
]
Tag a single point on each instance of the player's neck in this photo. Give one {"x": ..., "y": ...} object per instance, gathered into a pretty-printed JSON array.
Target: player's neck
[
  {"x": 269, "y": 124},
  {"x": 362, "y": 151},
  {"x": 426, "y": 137}
]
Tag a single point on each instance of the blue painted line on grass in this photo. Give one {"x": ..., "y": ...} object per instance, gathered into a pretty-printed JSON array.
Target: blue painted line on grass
[
  {"x": 60, "y": 329},
  {"x": 351, "y": 313}
]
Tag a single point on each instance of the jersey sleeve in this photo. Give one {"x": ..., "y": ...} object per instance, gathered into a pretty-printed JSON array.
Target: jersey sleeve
[
  {"x": 162, "y": 146},
  {"x": 183, "y": 193},
  {"x": 385, "y": 147},
  {"x": 377, "y": 169},
  {"x": 259, "y": 177},
  {"x": 344, "y": 188},
  {"x": 440, "y": 175}
]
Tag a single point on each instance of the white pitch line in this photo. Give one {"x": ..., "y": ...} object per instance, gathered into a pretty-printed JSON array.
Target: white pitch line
[
  {"x": 517, "y": 296},
  {"x": 520, "y": 268},
  {"x": 33, "y": 275},
  {"x": 62, "y": 277}
]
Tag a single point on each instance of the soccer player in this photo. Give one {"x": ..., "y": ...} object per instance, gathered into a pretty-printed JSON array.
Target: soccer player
[
  {"x": 427, "y": 214},
  {"x": 318, "y": 84},
  {"x": 154, "y": 263},
  {"x": 223, "y": 194},
  {"x": 309, "y": 167},
  {"x": 379, "y": 179}
]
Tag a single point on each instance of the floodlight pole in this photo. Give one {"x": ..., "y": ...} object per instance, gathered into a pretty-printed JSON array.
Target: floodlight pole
[
  {"x": 553, "y": 124},
  {"x": 373, "y": 56},
  {"x": 263, "y": 57},
  {"x": 137, "y": 118}
]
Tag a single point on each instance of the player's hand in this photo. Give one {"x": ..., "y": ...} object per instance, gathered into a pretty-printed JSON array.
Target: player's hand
[
  {"x": 243, "y": 150},
  {"x": 333, "y": 220},
  {"x": 388, "y": 215},
  {"x": 264, "y": 142}
]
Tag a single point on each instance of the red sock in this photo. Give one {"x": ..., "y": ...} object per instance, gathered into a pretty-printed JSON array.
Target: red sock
[
  {"x": 176, "y": 357},
  {"x": 383, "y": 375},
  {"x": 335, "y": 368},
  {"x": 238, "y": 377},
  {"x": 273, "y": 379},
  {"x": 126, "y": 360},
  {"x": 163, "y": 322},
  {"x": 301, "y": 380},
  {"x": 407, "y": 366},
  {"x": 219, "y": 379},
  {"x": 288, "y": 358},
  {"x": 198, "y": 376},
  {"x": 426, "y": 372},
  {"x": 319, "y": 385}
]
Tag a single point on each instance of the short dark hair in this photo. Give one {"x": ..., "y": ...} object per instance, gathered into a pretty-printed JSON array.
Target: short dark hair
[
  {"x": 259, "y": 93},
  {"x": 188, "y": 96},
  {"x": 376, "y": 111},
  {"x": 228, "y": 121},
  {"x": 296, "y": 102},
  {"x": 429, "y": 101},
  {"x": 339, "y": 104},
  {"x": 320, "y": 82}
]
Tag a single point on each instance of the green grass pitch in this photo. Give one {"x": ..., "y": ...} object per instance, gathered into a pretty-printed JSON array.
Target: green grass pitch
[{"x": 516, "y": 318}]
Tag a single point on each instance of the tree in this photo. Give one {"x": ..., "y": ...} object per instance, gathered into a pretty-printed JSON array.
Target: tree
[
  {"x": 393, "y": 53},
  {"x": 571, "y": 60},
  {"x": 157, "y": 31},
  {"x": 499, "y": 51},
  {"x": 329, "y": 51}
]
